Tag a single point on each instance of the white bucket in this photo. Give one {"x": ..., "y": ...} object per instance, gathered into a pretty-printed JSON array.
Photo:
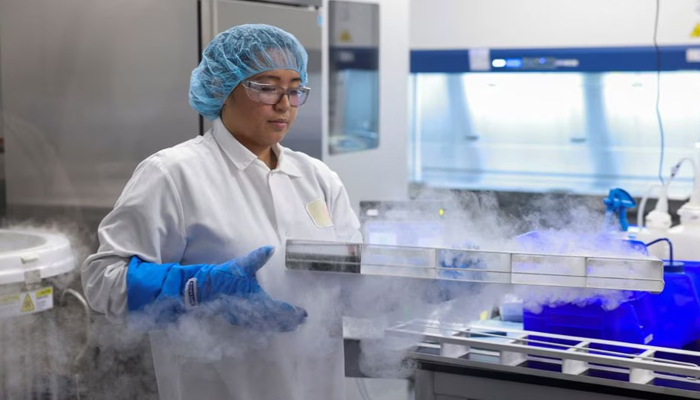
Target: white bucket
[{"x": 34, "y": 360}]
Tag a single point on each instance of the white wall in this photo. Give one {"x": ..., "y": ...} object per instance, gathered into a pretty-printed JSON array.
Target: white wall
[
  {"x": 382, "y": 173},
  {"x": 459, "y": 24}
]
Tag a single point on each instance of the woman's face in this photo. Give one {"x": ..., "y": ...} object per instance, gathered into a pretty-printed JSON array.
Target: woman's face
[{"x": 258, "y": 125}]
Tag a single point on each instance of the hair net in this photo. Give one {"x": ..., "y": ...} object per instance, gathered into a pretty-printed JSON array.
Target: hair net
[{"x": 237, "y": 54}]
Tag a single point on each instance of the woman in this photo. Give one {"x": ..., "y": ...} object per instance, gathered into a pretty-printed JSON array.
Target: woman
[{"x": 197, "y": 222}]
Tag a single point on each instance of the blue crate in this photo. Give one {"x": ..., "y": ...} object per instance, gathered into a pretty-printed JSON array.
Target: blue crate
[{"x": 668, "y": 319}]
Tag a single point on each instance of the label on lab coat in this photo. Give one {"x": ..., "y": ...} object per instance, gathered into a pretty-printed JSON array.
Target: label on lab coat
[{"x": 319, "y": 213}]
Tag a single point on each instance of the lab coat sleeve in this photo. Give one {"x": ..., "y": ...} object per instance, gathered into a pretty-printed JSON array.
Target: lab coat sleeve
[
  {"x": 347, "y": 226},
  {"x": 147, "y": 221}
]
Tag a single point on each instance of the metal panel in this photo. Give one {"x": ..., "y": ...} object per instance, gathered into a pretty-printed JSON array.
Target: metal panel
[
  {"x": 306, "y": 133},
  {"x": 301, "y": 22},
  {"x": 479, "y": 388},
  {"x": 90, "y": 89},
  {"x": 425, "y": 389},
  {"x": 3, "y": 191},
  {"x": 315, "y": 3}
]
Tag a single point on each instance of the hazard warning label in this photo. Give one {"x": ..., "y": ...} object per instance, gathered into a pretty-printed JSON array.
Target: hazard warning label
[
  {"x": 28, "y": 302},
  {"x": 345, "y": 36},
  {"x": 695, "y": 33}
]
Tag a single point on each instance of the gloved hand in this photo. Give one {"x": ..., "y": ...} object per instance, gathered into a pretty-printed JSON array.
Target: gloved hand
[
  {"x": 233, "y": 284},
  {"x": 451, "y": 281},
  {"x": 455, "y": 260}
]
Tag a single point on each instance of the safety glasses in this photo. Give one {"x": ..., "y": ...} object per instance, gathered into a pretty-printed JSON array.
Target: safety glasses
[{"x": 272, "y": 94}]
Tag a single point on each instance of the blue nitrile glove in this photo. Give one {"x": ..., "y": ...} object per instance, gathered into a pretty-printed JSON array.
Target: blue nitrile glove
[{"x": 243, "y": 301}]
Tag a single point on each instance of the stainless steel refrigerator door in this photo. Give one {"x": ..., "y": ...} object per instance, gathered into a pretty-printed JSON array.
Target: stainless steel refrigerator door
[{"x": 90, "y": 89}]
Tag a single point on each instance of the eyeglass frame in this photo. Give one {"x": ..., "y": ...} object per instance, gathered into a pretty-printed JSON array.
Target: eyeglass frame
[{"x": 249, "y": 86}]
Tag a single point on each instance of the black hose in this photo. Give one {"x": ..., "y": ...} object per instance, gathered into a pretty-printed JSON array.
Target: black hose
[{"x": 670, "y": 248}]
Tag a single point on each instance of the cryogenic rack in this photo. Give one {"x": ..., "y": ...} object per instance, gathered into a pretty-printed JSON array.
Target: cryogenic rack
[
  {"x": 571, "y": 358},
  {"x": 633, "y": 273}
]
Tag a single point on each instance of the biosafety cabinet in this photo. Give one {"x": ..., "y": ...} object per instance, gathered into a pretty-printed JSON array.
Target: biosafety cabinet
[{"x": 553, "y": 96}]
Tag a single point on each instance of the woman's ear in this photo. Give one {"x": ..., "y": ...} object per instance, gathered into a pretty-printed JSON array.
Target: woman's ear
[{"x": 229, "y": 99}]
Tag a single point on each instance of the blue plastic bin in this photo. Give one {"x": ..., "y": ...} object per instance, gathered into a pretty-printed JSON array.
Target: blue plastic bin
[{"x": 669, "y": 319}]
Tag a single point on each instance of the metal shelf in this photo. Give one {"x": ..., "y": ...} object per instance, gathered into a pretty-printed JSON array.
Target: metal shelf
[{"x": 568, "y": 357}]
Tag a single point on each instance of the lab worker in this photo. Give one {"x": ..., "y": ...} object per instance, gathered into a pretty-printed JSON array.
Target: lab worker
[{"x": 203, "y": 225}]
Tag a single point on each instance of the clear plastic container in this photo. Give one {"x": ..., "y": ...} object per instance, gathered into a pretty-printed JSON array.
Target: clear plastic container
[{"x": 634, "y": 271}]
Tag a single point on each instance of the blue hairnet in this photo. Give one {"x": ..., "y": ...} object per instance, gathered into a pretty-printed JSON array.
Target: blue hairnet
[{"x": 237, "y": 54}]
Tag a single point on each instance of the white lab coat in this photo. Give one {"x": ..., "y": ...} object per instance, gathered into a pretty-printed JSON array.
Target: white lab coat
[{"x": 209, "y": 200}]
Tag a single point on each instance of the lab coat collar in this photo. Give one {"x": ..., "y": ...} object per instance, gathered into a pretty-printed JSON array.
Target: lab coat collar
[
  {"x": 242, "y": 157},
  {"x": 286, "y": 164}
]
